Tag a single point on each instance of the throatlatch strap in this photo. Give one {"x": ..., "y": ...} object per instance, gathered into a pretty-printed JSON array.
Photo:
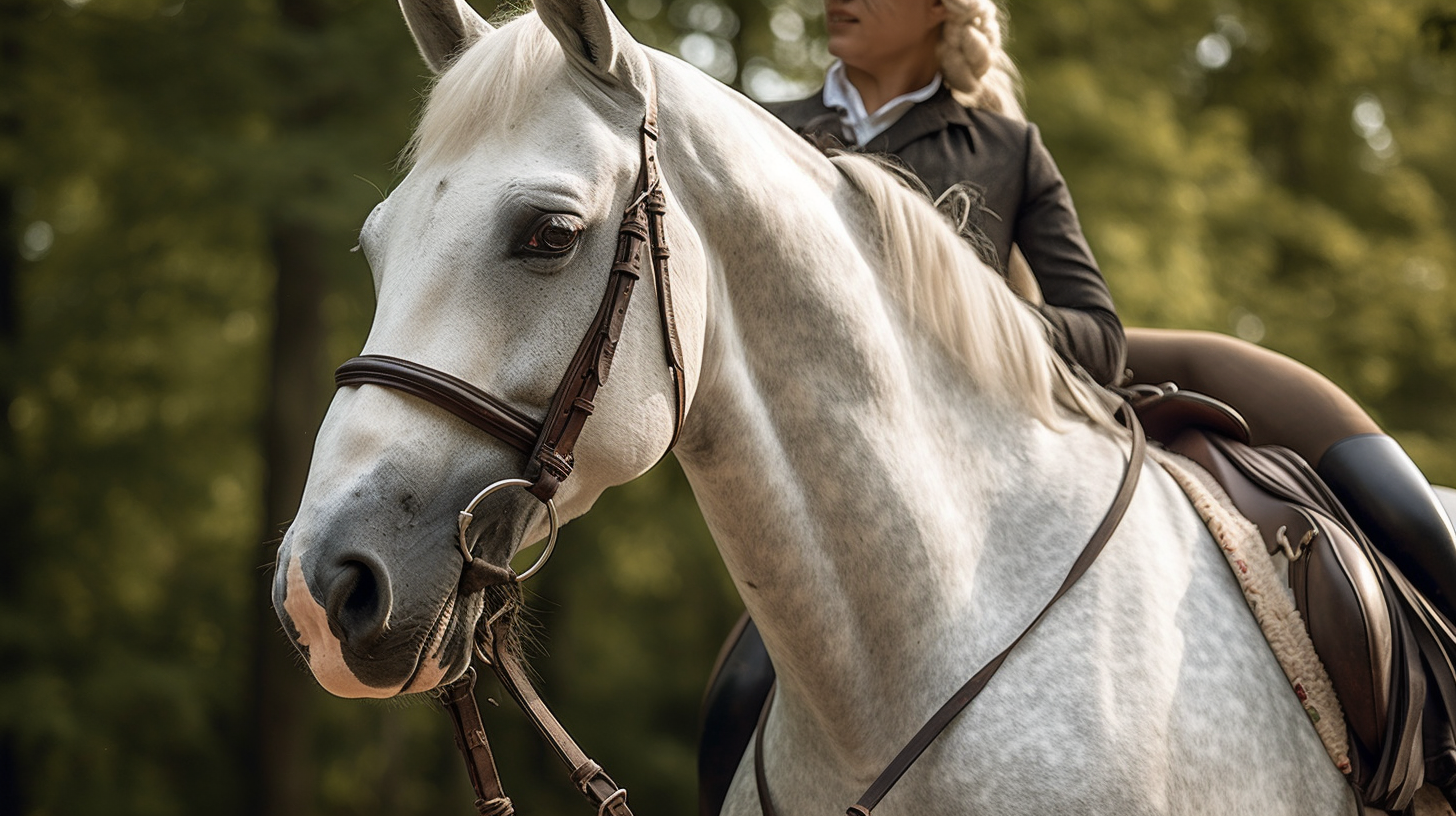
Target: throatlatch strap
[
  {"x": 963, "y": 697},
  {"x": 657, "y": 234}
]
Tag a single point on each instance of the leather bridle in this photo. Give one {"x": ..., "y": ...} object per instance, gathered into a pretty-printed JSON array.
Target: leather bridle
[{"x": 549, "y": 446}]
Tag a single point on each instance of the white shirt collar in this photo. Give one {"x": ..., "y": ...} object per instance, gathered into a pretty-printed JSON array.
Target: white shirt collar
[{"x": 840, "y": 93}]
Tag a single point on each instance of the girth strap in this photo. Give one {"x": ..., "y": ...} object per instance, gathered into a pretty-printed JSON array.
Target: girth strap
[{"x": 963, "y": 697}]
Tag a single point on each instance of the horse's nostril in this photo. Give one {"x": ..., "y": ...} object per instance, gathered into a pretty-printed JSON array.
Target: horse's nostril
[{"x": 358, "y": 603}]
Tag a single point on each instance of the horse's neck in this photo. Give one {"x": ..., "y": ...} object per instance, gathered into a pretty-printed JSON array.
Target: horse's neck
[{"x": 874, "y": 509}]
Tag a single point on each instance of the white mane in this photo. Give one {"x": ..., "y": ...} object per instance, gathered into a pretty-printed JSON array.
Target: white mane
[
  {"x": 939, "y": 279},
  {"x": 965, "y": 305}
]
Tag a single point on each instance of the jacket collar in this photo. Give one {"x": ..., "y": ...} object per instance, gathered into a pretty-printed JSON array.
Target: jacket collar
[{"x": 937, "y": 113}]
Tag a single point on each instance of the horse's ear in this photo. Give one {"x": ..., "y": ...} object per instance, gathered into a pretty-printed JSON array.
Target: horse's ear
[
  {"x": 443, "y": 28},
  {"x": 591, "y": 36}
]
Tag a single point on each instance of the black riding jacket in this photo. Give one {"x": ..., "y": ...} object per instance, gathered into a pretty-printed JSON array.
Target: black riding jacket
[{"x": 1026, "y": 204}]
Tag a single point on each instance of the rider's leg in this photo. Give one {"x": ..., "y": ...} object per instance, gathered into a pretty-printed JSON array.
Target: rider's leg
[
  {"x": 1287, "y": 403},
  {"x": 1394, "y": 504}
]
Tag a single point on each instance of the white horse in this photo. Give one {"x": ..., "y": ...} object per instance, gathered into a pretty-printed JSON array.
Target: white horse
[{"x": 896, "y": 467}]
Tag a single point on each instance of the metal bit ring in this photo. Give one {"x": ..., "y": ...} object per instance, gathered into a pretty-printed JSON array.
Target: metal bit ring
[{"x": 466, "y": 517}]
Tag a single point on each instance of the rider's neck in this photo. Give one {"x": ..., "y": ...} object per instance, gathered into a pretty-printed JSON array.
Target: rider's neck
[{"x": 880, "y": 83}]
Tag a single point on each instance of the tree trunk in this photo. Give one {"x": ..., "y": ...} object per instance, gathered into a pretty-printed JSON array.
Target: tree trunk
[
  {"x": 14, "y": 507},
  {"x": 14, "y": 503},
  {"x": 281, "y": 782}
]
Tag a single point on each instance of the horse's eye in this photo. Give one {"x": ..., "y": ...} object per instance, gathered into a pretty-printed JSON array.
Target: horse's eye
[{"x": 552, "y": 235}]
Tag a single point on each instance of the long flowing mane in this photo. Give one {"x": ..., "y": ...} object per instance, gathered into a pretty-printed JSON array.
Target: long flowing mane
[
  {"x": 946, "y": 287},
  {"x": 941, "y": 282}
]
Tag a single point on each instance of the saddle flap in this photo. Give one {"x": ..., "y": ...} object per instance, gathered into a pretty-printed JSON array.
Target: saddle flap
[
  {"x": 737, "y": 689},
  {"x": 1335, "y": 586}
]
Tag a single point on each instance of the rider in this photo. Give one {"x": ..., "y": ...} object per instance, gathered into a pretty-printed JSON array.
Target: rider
[
  {"x": 928, "y": 81},
  {"x": 945, "y": 104}
]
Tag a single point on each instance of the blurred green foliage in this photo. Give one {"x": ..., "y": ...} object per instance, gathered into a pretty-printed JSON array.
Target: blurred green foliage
[{"x": 1282, "y": 171}]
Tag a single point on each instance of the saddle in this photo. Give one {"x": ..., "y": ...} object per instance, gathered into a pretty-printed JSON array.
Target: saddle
[
  {"x": 1388, "y": 652},
  {"x": 1385, "y": 648}
]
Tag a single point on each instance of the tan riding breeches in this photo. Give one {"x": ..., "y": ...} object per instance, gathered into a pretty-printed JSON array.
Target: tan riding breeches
[{"x": 1285, "y": 402}]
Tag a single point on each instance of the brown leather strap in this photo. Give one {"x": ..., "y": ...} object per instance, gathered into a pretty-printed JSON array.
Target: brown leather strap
[
  {"x": 459, "y": 701},
  {"x": 656, "y": 224},
  {"x": 588, "y": 777},
  {"x": 550, "y": 443},
  {"x": 549, "y": 446},
  {"x": 963, "y": 697},
  {"x": 592, "y": 363},
  {"x": 572, "y": 404},
  {"x": 453, "y": 394},
  {"x": 656, "y": 207}
]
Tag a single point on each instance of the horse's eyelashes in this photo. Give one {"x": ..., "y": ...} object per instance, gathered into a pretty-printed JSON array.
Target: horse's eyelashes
[{"x": 552, "y": 235}]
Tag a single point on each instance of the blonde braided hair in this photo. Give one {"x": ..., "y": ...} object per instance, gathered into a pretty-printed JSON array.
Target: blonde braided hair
[
  {"x": 973, "y": 63},
  {"x": 980, "y": 74}
]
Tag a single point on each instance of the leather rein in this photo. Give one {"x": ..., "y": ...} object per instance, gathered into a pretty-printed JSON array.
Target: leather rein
[{"x": 549, "y": 447}]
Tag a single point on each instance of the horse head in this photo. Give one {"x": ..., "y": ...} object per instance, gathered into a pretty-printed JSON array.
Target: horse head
[{"x": 489, "y": 260}]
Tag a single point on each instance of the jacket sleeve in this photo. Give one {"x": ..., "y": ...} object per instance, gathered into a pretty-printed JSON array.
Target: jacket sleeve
[{"x": 1078, "y": 305}]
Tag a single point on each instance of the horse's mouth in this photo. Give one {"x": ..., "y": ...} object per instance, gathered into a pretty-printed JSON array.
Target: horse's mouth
[{"x": 444, "y": 651}]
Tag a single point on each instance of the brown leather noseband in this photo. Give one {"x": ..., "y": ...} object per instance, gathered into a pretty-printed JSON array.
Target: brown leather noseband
[{"x": 549, "y": 444}]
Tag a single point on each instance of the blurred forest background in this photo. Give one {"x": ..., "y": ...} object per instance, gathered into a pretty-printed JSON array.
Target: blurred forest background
[{"x": 181, "y": 182}]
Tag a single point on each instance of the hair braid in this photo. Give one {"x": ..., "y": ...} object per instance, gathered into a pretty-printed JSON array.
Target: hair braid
[{"x": 975, "y": 66}]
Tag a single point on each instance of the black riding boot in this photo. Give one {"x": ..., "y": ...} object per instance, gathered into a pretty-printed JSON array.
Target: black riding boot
[
  {"x": 1396, "y": 507},
  {"x": 1394, "y": 504}
]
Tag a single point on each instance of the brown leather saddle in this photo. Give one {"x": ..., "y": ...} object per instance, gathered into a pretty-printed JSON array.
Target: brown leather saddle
[{"x": 1387, "y": 651}]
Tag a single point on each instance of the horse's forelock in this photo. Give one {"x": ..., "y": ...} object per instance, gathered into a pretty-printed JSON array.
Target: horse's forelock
[{"x": 493, "y": 81}]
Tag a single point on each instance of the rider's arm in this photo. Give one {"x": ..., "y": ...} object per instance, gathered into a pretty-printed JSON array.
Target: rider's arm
[{"x": 1078, "y": 304}]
